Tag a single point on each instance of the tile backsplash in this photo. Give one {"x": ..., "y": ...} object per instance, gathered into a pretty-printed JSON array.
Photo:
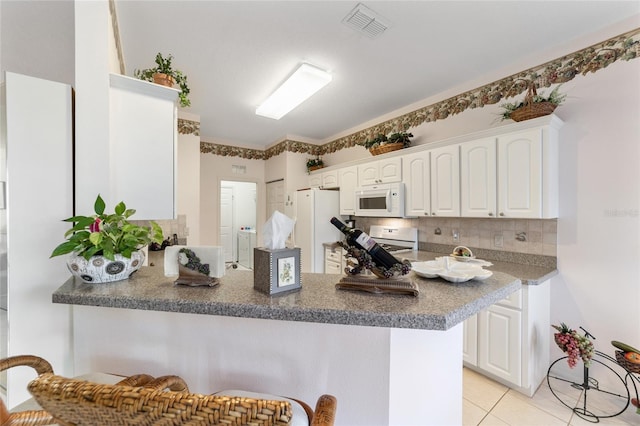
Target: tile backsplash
[{"x": 530, "y": 236}]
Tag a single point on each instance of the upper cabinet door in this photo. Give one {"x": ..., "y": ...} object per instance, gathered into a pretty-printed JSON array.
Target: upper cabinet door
[
  {"x": 368, "y": 174},
  {"x": 390, "y": 170},
  {"x": 144, "y": 132},
  {"x": 417, "y": 183},
  {"x": 330, "y": 179},
  {"x": 445, "y": 181},
  {"x": 381, "y": 171},
  {"x": 348, "y": 177},
  {"x": 315, "y": 180},
  {"x": 478, "y": 178},
  {"x": 520, "y": 174}
]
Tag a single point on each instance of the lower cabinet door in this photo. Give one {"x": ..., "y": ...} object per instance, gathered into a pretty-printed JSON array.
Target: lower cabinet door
[
  {"x": 500, "y": 343},
  {"x": 470, "y": 340}
]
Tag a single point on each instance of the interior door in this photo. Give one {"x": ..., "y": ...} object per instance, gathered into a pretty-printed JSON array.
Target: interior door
[{"x": 226, "y": 223}]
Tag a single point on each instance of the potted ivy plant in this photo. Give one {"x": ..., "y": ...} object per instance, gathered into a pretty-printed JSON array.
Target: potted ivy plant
[
  {"x": 314, "y": 164},
  {"x": 164, "y": 74},
  {"x": 381, "y": 144},
  {"x": 106, "y": 247},
  {"x": 533, "y": 105}
]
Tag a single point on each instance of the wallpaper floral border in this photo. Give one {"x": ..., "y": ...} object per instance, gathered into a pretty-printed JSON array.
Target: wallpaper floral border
[{"x": 589, "y": 60}]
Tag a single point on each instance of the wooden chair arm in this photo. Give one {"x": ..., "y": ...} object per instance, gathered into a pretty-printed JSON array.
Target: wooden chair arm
[{"x": 325, "y": 413}]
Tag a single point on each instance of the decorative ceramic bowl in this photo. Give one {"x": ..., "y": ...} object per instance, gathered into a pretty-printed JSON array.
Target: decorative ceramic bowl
[{"x": 99, "y": 269}]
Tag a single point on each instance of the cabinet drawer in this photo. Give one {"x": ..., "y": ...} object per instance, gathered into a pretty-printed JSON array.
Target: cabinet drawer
[
  {"x": 514, "y": 300},
  {"x": 333, "y": 255},
  {"x": 332, "y": 268}
]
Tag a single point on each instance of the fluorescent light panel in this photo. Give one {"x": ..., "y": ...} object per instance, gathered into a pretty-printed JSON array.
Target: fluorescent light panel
[{"x": 303, "y": 83}]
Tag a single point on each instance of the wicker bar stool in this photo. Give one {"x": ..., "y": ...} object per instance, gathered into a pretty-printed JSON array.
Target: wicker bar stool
[
  {"x": 143, "y": 400},
  {"x": 80, "y": 402}
]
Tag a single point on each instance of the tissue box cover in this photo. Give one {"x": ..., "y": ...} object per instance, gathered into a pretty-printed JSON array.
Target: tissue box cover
[{"x": 276, "y": 271}]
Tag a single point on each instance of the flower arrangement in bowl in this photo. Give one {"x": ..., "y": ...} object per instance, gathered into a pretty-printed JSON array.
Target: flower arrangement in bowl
[
  {"x": 106, "y": 247},
  {"x": 314, "y": 164},
  {"x": 381, "y": 144},
  {"x": 533, "y": 105},
  {"x": 164, "y": 74}
]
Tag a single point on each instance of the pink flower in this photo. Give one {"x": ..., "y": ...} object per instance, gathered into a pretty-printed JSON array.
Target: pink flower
[{"x": 95, "y": 226}]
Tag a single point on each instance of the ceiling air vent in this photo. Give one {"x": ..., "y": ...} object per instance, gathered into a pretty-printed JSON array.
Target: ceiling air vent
[{"x": 365, "y": 21}]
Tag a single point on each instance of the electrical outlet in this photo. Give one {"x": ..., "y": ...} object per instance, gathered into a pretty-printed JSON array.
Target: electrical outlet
[
  {"x": 456, "y": 235},
  {"x": 498, "y": 240}
]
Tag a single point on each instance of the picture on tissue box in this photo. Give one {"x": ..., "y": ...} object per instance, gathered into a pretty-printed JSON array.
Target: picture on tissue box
[{"x": 286, "y": 271}]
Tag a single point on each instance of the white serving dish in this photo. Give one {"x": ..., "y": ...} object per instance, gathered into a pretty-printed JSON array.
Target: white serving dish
[
  {"x": 453, "y": 272},
  {"x": 462, "y": 258}
]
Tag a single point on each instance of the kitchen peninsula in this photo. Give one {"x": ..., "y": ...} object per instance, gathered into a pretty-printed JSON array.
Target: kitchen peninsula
[{"x": 388, "y": 359}]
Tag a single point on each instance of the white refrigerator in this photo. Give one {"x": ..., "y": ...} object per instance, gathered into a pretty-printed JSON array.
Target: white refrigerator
[{"x": 314, "y": 210}]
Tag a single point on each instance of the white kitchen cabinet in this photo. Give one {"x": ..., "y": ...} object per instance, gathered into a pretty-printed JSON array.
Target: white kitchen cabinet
[
  {"x": 478, "y": 183},
  {"x": 324, "y": 180},
  {"x": 381, "y": 171},
  {"x": 512, "y": 339},
  {"x": 470, "y": 340},
  {"x": 315, "y": 180},
  {"x": 514, "y": 175},
  {"x": 348, "y": 178},
  {"x": 528, "y": 173},
  {"x": 143, "y": 135},
  {"x": 330, "y": 180},
  {"x": 499, "y": 342},
  {"x": 334, "y": 261},
  {"x": 417, "y": 182},
  {"x": 445, "y": 181}
]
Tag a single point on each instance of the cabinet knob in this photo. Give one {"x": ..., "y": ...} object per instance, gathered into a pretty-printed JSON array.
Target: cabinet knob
[
  {"x": 426, "y": 213},
  {"x": 501, "y": 214},
  {"x": 433, "y": 214},
  {"x": 490, "y": 213}
]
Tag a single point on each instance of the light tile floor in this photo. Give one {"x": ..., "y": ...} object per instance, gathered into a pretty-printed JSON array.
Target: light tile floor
[{"x": 488, "y": 403}]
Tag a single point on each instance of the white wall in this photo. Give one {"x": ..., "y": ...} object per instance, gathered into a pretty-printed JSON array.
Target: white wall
[
  {"x": 599, "y": 225},
  {"x": 188, "y": 182},
  {"x": 214, "y": 169}
]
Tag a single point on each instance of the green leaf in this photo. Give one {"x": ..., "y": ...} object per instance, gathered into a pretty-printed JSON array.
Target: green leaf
[
  {"x": 120, "y": 208},
  {"x": 99, "y": 205},
  {"x": 95, "y": 238},
  {"x": 64, "y": 248},
  {"x": 108, "y": 254}
]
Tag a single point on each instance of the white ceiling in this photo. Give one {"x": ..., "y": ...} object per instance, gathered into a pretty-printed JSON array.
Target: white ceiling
[{"x": 235, "y": 53}]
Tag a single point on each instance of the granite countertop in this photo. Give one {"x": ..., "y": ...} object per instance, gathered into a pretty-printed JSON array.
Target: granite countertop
[
  {"x": 528, "y": 273},
  {"x": 439, "y": 306}
]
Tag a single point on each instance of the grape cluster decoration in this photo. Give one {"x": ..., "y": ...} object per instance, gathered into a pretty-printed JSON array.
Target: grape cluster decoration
[
  {"x": 574, "y": 345},
  {"x": 359, "y": 260}
]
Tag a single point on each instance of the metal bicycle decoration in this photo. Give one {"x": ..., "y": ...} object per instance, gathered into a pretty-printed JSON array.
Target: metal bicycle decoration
[{"x": 601, "y": 389}]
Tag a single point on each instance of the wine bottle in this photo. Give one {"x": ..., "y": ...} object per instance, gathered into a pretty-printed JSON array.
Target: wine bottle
[{"x": 361, "y": 240}]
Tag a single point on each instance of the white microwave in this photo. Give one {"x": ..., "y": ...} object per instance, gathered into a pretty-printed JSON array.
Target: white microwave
[{"x": 383, "y": 200}]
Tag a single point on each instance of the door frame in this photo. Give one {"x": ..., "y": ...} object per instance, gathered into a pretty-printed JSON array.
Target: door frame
[{"x": 260, "y": 204}]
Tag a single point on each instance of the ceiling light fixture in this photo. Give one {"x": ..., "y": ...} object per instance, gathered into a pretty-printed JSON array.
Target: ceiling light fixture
[{"x": 303, "y": 83}]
